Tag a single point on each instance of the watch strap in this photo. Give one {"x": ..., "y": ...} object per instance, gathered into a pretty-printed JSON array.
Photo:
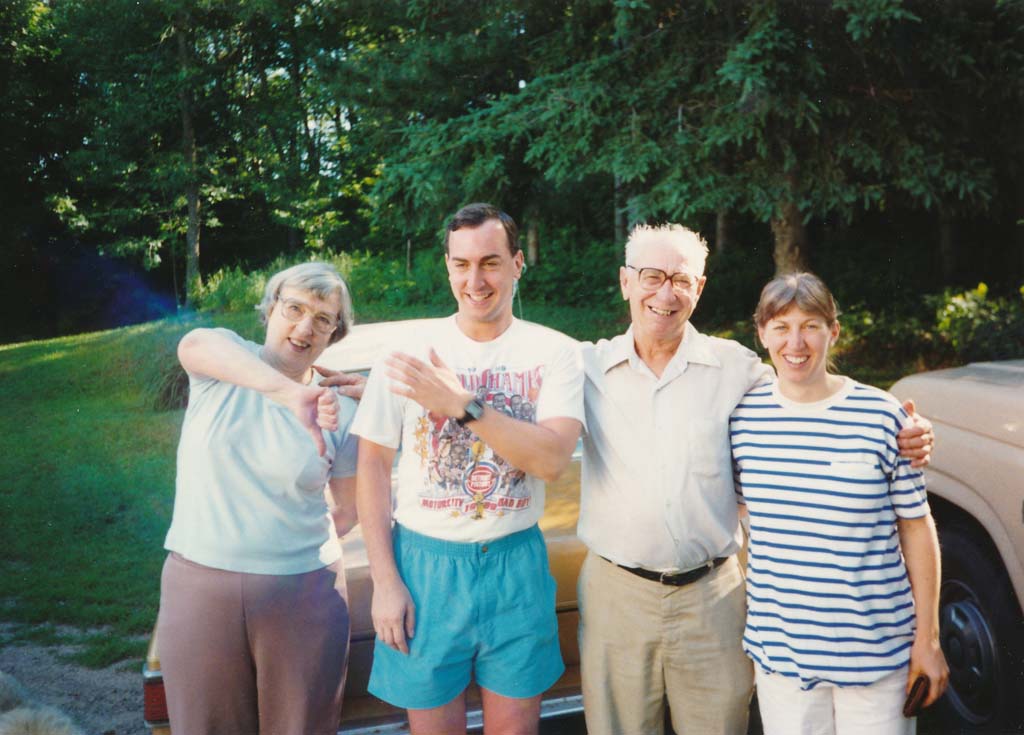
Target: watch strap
[{"x": 474, "y": 410}]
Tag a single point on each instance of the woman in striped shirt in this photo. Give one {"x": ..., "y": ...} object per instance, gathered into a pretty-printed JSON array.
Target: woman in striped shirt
[{"x": 843, "y": 566}]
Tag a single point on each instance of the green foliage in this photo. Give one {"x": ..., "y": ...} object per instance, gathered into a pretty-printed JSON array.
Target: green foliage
[
  {"x": 932, "y": 331},
  {"x": 575, "y": 275},
  {"x": 734, "y": 281},
  {"x": 233, "y": 289},
  {"x": 884, "y": 338},
  {"x": 978, "y": 326}
]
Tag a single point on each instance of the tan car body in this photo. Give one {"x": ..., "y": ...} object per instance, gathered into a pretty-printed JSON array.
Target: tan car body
[
  {"x": 363, "y": 713},
  {"x": 976, "y": 491}
]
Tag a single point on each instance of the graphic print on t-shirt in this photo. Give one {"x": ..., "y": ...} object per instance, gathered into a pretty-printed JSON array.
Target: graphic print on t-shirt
[{"x": 467, "y": 477}]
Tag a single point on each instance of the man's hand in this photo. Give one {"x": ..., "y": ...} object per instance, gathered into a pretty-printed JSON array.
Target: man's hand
[
  {"x": 926, "y": 658},
  {"x": 394, "y": 615},
  {"x": 432, "y": 384},
  {"x": 916, "y": 442},
  {"x": 315, "y": 407},
  {"x": 347, "y": 384}
]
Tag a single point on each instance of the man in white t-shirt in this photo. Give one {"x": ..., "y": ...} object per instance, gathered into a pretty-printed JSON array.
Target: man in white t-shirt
[
  {"x": 661, "y": 593},
  {"x": 461, "y": 582}
]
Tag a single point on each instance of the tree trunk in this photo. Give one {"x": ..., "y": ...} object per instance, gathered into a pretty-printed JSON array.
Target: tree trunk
[
  {"x": 619, "y": 208},
  {"x": 947, "y": 247},
  {"x": 1018, "y": 234},
  {"x": 193, "y": 279},
  {"x": 532, "y": 242},
  {"x": 790, "y": 235},
  {"x": 723, "y": 226}
]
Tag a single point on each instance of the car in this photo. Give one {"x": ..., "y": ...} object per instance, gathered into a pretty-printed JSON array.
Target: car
[
  {"x": 976, "y": 492},
  {"x": 363, "y": 713}
]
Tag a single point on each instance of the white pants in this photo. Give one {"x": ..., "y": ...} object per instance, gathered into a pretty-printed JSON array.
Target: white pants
[{"x": 877, "y": 709}]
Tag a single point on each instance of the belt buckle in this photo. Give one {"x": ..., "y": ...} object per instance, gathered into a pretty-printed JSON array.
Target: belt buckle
[{"x": 661, "y": 577}]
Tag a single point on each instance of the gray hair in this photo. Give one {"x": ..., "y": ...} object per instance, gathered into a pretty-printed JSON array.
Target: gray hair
[
  {"x": 319, "y": 279},
  {"x": 689, "y": 244}
]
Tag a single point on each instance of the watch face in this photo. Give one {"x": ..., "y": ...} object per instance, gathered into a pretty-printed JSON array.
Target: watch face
[{"x": 474, "y": 410}]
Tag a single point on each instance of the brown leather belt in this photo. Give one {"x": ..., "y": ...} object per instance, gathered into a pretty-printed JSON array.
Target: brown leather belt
[{"x": 675, "y": 580}]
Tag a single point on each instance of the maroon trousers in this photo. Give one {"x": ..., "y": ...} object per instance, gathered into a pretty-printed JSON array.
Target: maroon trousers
[{"x": 252, "y": 653}]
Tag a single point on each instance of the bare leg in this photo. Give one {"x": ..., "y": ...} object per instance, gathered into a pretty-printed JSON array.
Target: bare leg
[
  {"x": 510, "y": 716},
  {"x": 448, "y": 719}
]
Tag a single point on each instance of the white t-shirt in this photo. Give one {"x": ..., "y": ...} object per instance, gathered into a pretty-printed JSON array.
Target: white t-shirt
[
  {"x": 451, "y": 484},
  {"x": 249, "y": 493}
]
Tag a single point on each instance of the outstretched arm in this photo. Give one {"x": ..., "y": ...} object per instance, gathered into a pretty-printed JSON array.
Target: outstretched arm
[
  {"x": 920, "y": 546},
  {"x": 392, "y": 609},
  {"x": 543, "y": 450},
  {"x": 213, "y": 354}
]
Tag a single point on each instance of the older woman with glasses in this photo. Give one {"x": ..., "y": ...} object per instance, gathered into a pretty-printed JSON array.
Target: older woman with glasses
[{"x": 253, "y": 625}]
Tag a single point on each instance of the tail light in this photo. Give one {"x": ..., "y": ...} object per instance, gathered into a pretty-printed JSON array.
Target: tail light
[{"x": 154, "y": 701}]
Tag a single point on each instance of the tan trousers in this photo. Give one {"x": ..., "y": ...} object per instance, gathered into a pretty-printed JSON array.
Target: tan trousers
[
  {"x": 642, "y": 642},
  {"x": 252, "y": 653}
]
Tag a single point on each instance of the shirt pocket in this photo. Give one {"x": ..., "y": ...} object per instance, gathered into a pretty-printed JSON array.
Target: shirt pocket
[
  {"x": 707, "y": 448},
  {"x": 857, "y": 470}
]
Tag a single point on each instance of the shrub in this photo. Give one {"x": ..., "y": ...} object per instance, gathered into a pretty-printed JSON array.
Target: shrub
[
  {"x": 900, "y": 339},
  {"x": 231, "y": 289},
  {"x": 578, "y": 276},
  {"x": 977, "y": 326}
]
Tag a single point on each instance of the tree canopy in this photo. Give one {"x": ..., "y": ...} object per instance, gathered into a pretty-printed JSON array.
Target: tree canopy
[{"x": 149, "y": 129}]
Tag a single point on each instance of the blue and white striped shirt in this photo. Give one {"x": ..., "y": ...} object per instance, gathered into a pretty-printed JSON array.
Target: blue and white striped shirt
[{"x": 828, "y": 598}]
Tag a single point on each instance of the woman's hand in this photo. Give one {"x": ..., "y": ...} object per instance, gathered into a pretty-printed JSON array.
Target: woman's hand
[
  {"x": 926, "y": 659},
  {"x": 394, "y": 614},
  {"x": 315, "y": 407}
]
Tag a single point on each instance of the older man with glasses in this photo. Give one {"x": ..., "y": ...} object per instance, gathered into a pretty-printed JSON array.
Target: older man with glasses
[{"x": 661, "y": 591}]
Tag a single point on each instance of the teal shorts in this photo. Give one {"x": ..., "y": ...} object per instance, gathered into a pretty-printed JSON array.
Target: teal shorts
[{"x": 483, "y": 609}]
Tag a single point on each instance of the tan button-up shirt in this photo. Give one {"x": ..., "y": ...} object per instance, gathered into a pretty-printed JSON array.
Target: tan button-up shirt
[{"x": 657, "y": 486}]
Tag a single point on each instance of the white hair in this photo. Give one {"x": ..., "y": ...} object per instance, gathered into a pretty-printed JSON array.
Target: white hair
[
  {"x": 319, "y": 279},
  {"x": 689, "y": 244}
]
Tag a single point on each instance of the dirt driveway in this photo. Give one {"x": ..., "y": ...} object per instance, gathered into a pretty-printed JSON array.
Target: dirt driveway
[{"x": 100, "y": 701}]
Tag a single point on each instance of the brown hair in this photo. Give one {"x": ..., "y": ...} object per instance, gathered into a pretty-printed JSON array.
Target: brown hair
[
  {"x": 474, "y": 215},
  {"x": 804, "y": 290}
]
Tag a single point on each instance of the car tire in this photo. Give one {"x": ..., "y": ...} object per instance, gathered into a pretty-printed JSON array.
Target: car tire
[{"x": 980, "y": 631}]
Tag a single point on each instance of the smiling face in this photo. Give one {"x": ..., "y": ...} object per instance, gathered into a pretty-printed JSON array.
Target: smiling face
[
  {"x": 798, "y": 342},
  {"x": 659, "y": 316},
  {"x": 483, "y": 273},
  {"x": 292, "y": 347}
]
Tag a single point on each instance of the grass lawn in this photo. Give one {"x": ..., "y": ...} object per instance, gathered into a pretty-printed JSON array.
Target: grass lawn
[
  {"x": 89, "y": 471},
  {"x": 88, "y": 468}
]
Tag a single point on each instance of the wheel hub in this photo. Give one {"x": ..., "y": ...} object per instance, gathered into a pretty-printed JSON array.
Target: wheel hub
[{"x": 971, "y": 654}]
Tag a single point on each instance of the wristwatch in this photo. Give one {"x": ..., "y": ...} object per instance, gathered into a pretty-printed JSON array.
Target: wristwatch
[{"x": 474, "y": 411}]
